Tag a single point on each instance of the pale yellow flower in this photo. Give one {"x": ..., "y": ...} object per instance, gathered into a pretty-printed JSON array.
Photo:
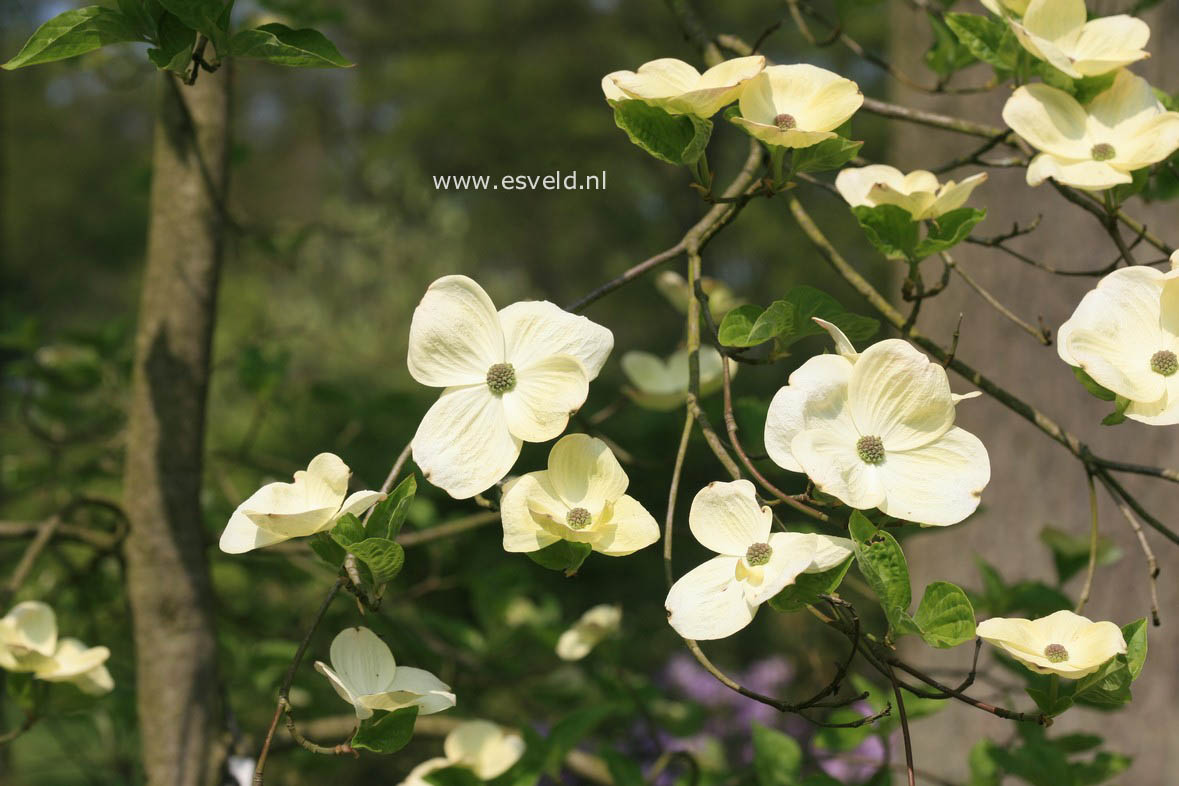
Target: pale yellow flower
[
  {"x": 1062, "y": 643},
  {"x": 797, "y": 105},
  {"x": 662, "y": 385},
  {"x": 1057, "y": 31},
  {"x": 679, "y": 89},
  {"x": 919, "y": 193},
  {"x": 589, "y": 631}
]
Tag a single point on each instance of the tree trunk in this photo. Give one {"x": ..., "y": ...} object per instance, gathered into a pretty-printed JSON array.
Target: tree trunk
[
  {"x": 179, "y": 698},
  {"x": 1034, "y": 481}
]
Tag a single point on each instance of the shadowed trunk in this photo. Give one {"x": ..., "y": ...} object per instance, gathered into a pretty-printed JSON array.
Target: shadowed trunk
[
  {"x": 168, "y": 584},
  {"x": 1035, "y": 482}
]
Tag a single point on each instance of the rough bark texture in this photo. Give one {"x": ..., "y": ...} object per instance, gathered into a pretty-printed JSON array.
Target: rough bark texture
[
  {"x": 167, "y": 577},
  {"x": 1034, "y": 481}
]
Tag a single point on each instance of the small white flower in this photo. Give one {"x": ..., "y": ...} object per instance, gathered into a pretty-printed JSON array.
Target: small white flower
[
  {"x": 797, "y": 105},
  {"x": 663, "y": 385},
  {"x": 580, "y": 497},
  {"x": 510, "y": 377},
  {"x": 876, "y": 430},
  {"x": 28, "y": 634},
  {"x": 365, "y": 675},
  {"x": 313, "y": 503},
  {"x": 1057, "y": 32},
  {"x": 1125, "y": 335},
  {"x": 78, "y": 664},
  {"x": 1123, "y": 129},
  {"x": 1062, "y": 643},
  {"x": 679, "y": 89},
  {"x": 485, "y": 748},
  {"x": 720, "y": 597},
  {"x": 589, "y": 631},
  {"x": 919, "y": 192}
]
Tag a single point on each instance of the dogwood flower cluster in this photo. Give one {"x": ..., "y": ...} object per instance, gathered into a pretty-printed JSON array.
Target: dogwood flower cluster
[
  {"x": 1063, "y": 643},
  {"x": 314, "y": 502},
  {"x": 918, "y": 192},
  {"x": 29, "y": 643},
  {"x": 364, "y": 674},
  {"x": 876, "y": 430},
  {"x": 581, "y": 497},
  {"x": 662, "y": 385},
  {"x": 589, "y": 631},
  {"x": 788, "y": 106},
  {"x": 1059, "y": 32},
  {"x": 721, "y": 596},
  {"x": 485, "y": 748},
  {"x": 1125, "y": 335}
]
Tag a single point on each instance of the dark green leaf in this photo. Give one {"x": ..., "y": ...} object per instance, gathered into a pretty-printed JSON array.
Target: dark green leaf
[
  {"x": 882, "y": 562},
  {"x": 945, "y": 616},
  {"x": 1121, "y": 403},
  {"x": 825, "y": 156},
  {"x": 623, "y": 770},
  {"x": 676, "y": 139},
  {"x": 327, "y": 549},
  {"x": 948, "y": 230},
  {"x": 255, "y": 369},
  {"x": 279, "y": 44},
  {"x": 383, "y": 557},
  {"x": 1092, "y": 386},
  {"x": 454, "y": 775},
  {"x": 748, "y": 326},
  {"x": 808, "y": 302},
  {"x": 571, "y": 730},
  {"x": 348, "y": 530},
  {"x": 202, "y": 16},
  {"x": 1135, "y": 636},
  {"x": 807, "y": 588},
  {"x": 777, "y": 758},
  {"x": 389, "y": 515},
  {"x": 890, "y": 229},
  {"x": 75, "y": 33},
  {"x": 1052, "y": 695},
  {"x": 563, "y": 555},
  {"x": 386, "y": 732},
  {"x": 1089, "y": 87}
]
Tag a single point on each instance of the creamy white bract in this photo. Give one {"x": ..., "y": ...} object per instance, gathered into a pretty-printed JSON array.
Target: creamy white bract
[
  {"x": 876, "y": 430},
  {"x": 1125, "y": 335},
  {"x": 1059, "y": 32},
  {"x": 313, "y": 503},
  {"x": 365, "y": 675},
  {"x": 29, "y": 643},
  {"x": 1095, "y": 147},
  {"x": 679, "y": 89},
  {"x": 662, "y": 385},
  {"x": 1062, "y": 643},
  {"x": 797, "y": 105},
  {"x": 508, "y": 377},
  {"x": 720, "y": 597},
  {"x": 485, "y": 748},
  {"x": 595, "y": 625},
  {"x": 581, "y": 497},
  {"x": 918, "y": 192}
]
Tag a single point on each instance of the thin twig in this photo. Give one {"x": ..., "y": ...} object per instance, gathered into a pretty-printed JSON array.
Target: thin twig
[{"x": 1093, "y": 543}]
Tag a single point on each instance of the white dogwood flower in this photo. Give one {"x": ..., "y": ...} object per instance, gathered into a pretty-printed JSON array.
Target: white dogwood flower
[
  {"x": 1125, "y": 335},
  {"x": 1123, "y": 129},
  {"x": 588, "y": 632},
  {"x": 919, "y": 192},
  {"x": 28, "y": 634},
  {"x": 1062, "y": 643},
  {"x": 797, "y": 105},
  {"x": 876, "y": 430},
  {"x": 509, "y": 377},
  {"x": 74, "y": 662},
  {"x": 679, "y": 89},
  {"x": 662, "y": 385},
  {"x": 313, "y": 503},
  {"x": 365, "y": 675},
  {"x": 485, "y": 748},
  {"x": 674, "y": 287},
  {"x": 1057, "y": 32},
  {"x": 1017, "y": 7},
  {"x": 580, "y": 497},
  {"x": 720, "y": 597}
]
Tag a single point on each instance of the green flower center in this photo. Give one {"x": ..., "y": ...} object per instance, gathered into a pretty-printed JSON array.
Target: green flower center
[
  {"x": 1103, "y": 152},
  {"x": 785, "y": 122},
  {"x": 501, "y": 378},
  {"x": 578, "y": 518},
  {"x": 1056, "y": 653},
  {"x": 871, "y": 450},
  {"x": 758, "y": 554},
  {"x": 1164, "y": 362}
]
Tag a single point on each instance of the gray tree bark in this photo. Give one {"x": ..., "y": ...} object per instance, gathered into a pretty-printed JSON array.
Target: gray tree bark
[
  {"x": 1034, "y": 481},
  {"x": 179, "y": 701}
]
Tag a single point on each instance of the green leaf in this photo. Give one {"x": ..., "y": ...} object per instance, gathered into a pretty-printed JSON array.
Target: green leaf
[
  {"x": 676, "y": 139},
  {"x": 563, "y": 555},
  {"x": 327, "y": 549},
  {"x": 777, "y": 758},
  {"x": 1089, "y": 87},
  {"x": 825, "y": 156},
  {"x": 988, "y": 39},
  {"x": 945, "y": 616},
  {"x": 571, "y": 730},
  {"x": 383, "y": 557},
  {"x": 389, "y": 515},
  {"x": 882, "y": 562},
  {"x": 348, "y": 530},
  {"x": 279, "y": 44},
  {"x": 808, "y": 302},
  {"x": 454, "y": 775},
  {"x": 386, "y": 732},
  {"x": 948, "y": 230},
  {"x": 890, "y": 229},
  {"x": 75, "y": 33},
  {"x": 1107, "y": 687},
  {"x": 174, "y": 54},
  {"x": 983, "y": 770},
  {"x": 1050, "y": 700},
  {"x": 201, "y": 15},
  {"x": 948, "y": 54},
  {"x": 623, "y": 770},
  {"x": 1135, "y": 636},
  {"x": 1119, "y": 414},
  {"x": 1070, "y": 553},
  {"x": 1092, "y": 386},
  {"x": 748, "y": 326},
  {"x": 807, "y": 588}
]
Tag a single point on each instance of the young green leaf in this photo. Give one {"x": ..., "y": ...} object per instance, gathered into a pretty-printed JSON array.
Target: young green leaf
[
  {"x": 807, "y": 588},
  {"x": 348, "y": 530},
  {"x": 204, "y": 16},
  {"x": 563, "y": 555},
  {"x": 383, "y": 557},
  {"x": 748, "y": 326},
  {"x": 386, "y": 732},
  {"x": 75, "y": 33},
  {"x": 948, "y": 54},
  {"x": 1092, "y": 386},
  {"x": 327, "y": 549},
  {"x": 825, "y": 156},
  {"x": 175, "y": 54},
  {"x": 882, "y": 562},
  {"x": 948, "y": 230},
  {"x": 1135, "y": 636},
  {"x": 389, "y": 515},
  {"x": 1070, "y": 553},
  {"x": 945, "y": 617},
  {"x": 990, "y": 40},
  {"x": 777, "y": 758},
  {"x": 279, "y": 44},
  {"x": 1121, "y": 403},
  {"x": 808, "y": 302},
  {"x": 676, "y": 139},
  {"x": 890, "y": 229}
]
